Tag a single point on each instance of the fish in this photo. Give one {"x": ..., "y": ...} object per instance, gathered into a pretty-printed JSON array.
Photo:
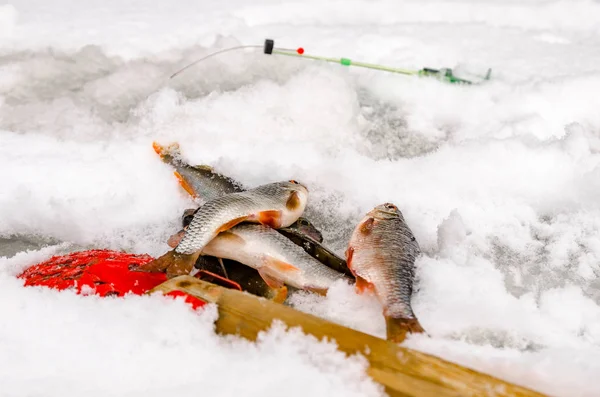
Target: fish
[
  {"x": 277, "y": 205},
  {"x": 277, "y": 259},
  {"x": 203, "y": 184},
  {"x": 381, "y": 254}
]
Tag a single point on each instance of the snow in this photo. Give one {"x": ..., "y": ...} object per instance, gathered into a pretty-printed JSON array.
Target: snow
[{"x": 499, "y": 182}]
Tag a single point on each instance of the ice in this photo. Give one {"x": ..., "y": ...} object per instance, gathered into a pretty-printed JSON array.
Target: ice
[{"x": 499, "y": 182}]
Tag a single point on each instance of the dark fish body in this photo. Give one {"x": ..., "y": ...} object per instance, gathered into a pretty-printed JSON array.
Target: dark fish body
[
  {"x": 381, "y": 254},
  {"x": 316, "y": 250}
]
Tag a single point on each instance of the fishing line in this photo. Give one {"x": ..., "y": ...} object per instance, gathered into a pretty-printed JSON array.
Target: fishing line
[{"x": 212, "y": 55}]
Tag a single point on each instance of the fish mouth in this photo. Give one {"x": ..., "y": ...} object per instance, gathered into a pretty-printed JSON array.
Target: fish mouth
[
  {"x": 298, "y": 184},
  {"x": 385, "y": 211}
]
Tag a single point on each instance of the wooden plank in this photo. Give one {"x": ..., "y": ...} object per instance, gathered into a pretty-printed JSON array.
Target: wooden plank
[{"x": 402, "y": 371}]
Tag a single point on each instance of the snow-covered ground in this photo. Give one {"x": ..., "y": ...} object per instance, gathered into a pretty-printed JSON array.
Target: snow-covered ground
[{"x": 499, "y": 182}]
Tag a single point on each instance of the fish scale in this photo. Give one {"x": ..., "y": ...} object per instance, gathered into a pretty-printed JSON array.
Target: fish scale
[{"x": 222, "y": 210}]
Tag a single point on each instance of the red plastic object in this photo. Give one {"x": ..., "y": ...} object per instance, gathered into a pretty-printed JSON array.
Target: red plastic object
[
  {"x": 102, "y": 272},
  {"x": 218, "y": 280},
  {"x": 192, "y": 300}
]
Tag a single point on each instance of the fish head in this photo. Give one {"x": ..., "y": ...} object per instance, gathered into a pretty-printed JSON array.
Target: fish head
[
  {"x": 385, "y": 211},
  {"x": 303, "y": 227},
  {"x": 294, "y": 197},
  {"x": 294, "y": 185}
]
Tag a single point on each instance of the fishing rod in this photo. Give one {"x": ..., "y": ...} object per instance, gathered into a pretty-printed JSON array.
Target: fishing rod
[{"x": 443, "y": 74}]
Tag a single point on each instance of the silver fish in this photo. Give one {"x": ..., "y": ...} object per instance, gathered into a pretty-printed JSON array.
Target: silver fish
[
  {"x": 201, "y": 181},
  {"x": 276, "y": 204},
  {"x": 278, "y": 260},
  {"x": 381, "y": 254}
]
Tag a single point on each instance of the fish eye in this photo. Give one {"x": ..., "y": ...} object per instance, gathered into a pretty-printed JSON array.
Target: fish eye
[
  {"x": 391, "y": 206},
  {"x": 294, "y": 182}
]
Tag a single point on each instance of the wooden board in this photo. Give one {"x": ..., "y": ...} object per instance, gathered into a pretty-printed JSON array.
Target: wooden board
[{"x": 402, "y": 371}]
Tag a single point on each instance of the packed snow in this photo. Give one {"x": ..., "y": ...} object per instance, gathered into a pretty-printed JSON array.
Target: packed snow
[{"x": 499, "y": 182}]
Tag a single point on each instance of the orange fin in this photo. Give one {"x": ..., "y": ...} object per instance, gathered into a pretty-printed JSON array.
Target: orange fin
[
  {"x": 281, "y": 295},
  {"x": 173, "y": 263},
  {"x": 158, "y": 148},
  {"x": 175, "y": 239},
  {"x": 367, "y": 226},
  {"x": 231, "y": 223},
  {"x": 269, "y": 279},
  {"x": 162, "y": 151},
  {"x": 349, "y": 254},
  {"x": 363, "y": 286},
  {"x": 293, "y": 202},
  {"x": 398, "y": 328},
  {"x": 270, "y": 218},
  {"x": 185, "y": 185},
  {"x": 279, "y": 265},
  {"x": 317, "y": 290},
  {"x": 277, "y": 295}
]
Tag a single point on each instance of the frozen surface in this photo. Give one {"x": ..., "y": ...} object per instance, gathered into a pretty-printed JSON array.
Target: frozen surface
[{"x": 499, "y": 182}]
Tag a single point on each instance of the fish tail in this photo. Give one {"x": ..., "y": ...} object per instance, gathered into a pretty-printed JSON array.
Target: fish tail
[
  {"x": 173, "y": 263},
  {"x": 397, "y": 328},
  {"x": 170, "y": 150}
]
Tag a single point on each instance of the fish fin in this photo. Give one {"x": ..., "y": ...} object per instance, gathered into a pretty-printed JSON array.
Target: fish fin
[
  {"x": 398, "y": 328},
  {"x": 158, "y": 265},
  {"x": 278, "y": 295},
  {"x": 185, "y": 185},
  {"x": 162, "y": 151},
  {"x": 363, "y": 286},
  {"x": 271, "y": 281},
  {"x": 367, "y": 226},
  {"x": 270, "y": 218},
  {"x": 317, "y": 290},
  {"x": 232, "y": 237},
  {"x": 182, "y": 264},
  {"x": 173, "y": 263},
  {"x": 231, "y": 223},
  {"x": 279, "y": 265},
  {"x": 158, "y": 148},
  {"x": 293, "y": 202},
  {"x": 175, "y": 239},
  {"x": 349, "y": 254}
]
